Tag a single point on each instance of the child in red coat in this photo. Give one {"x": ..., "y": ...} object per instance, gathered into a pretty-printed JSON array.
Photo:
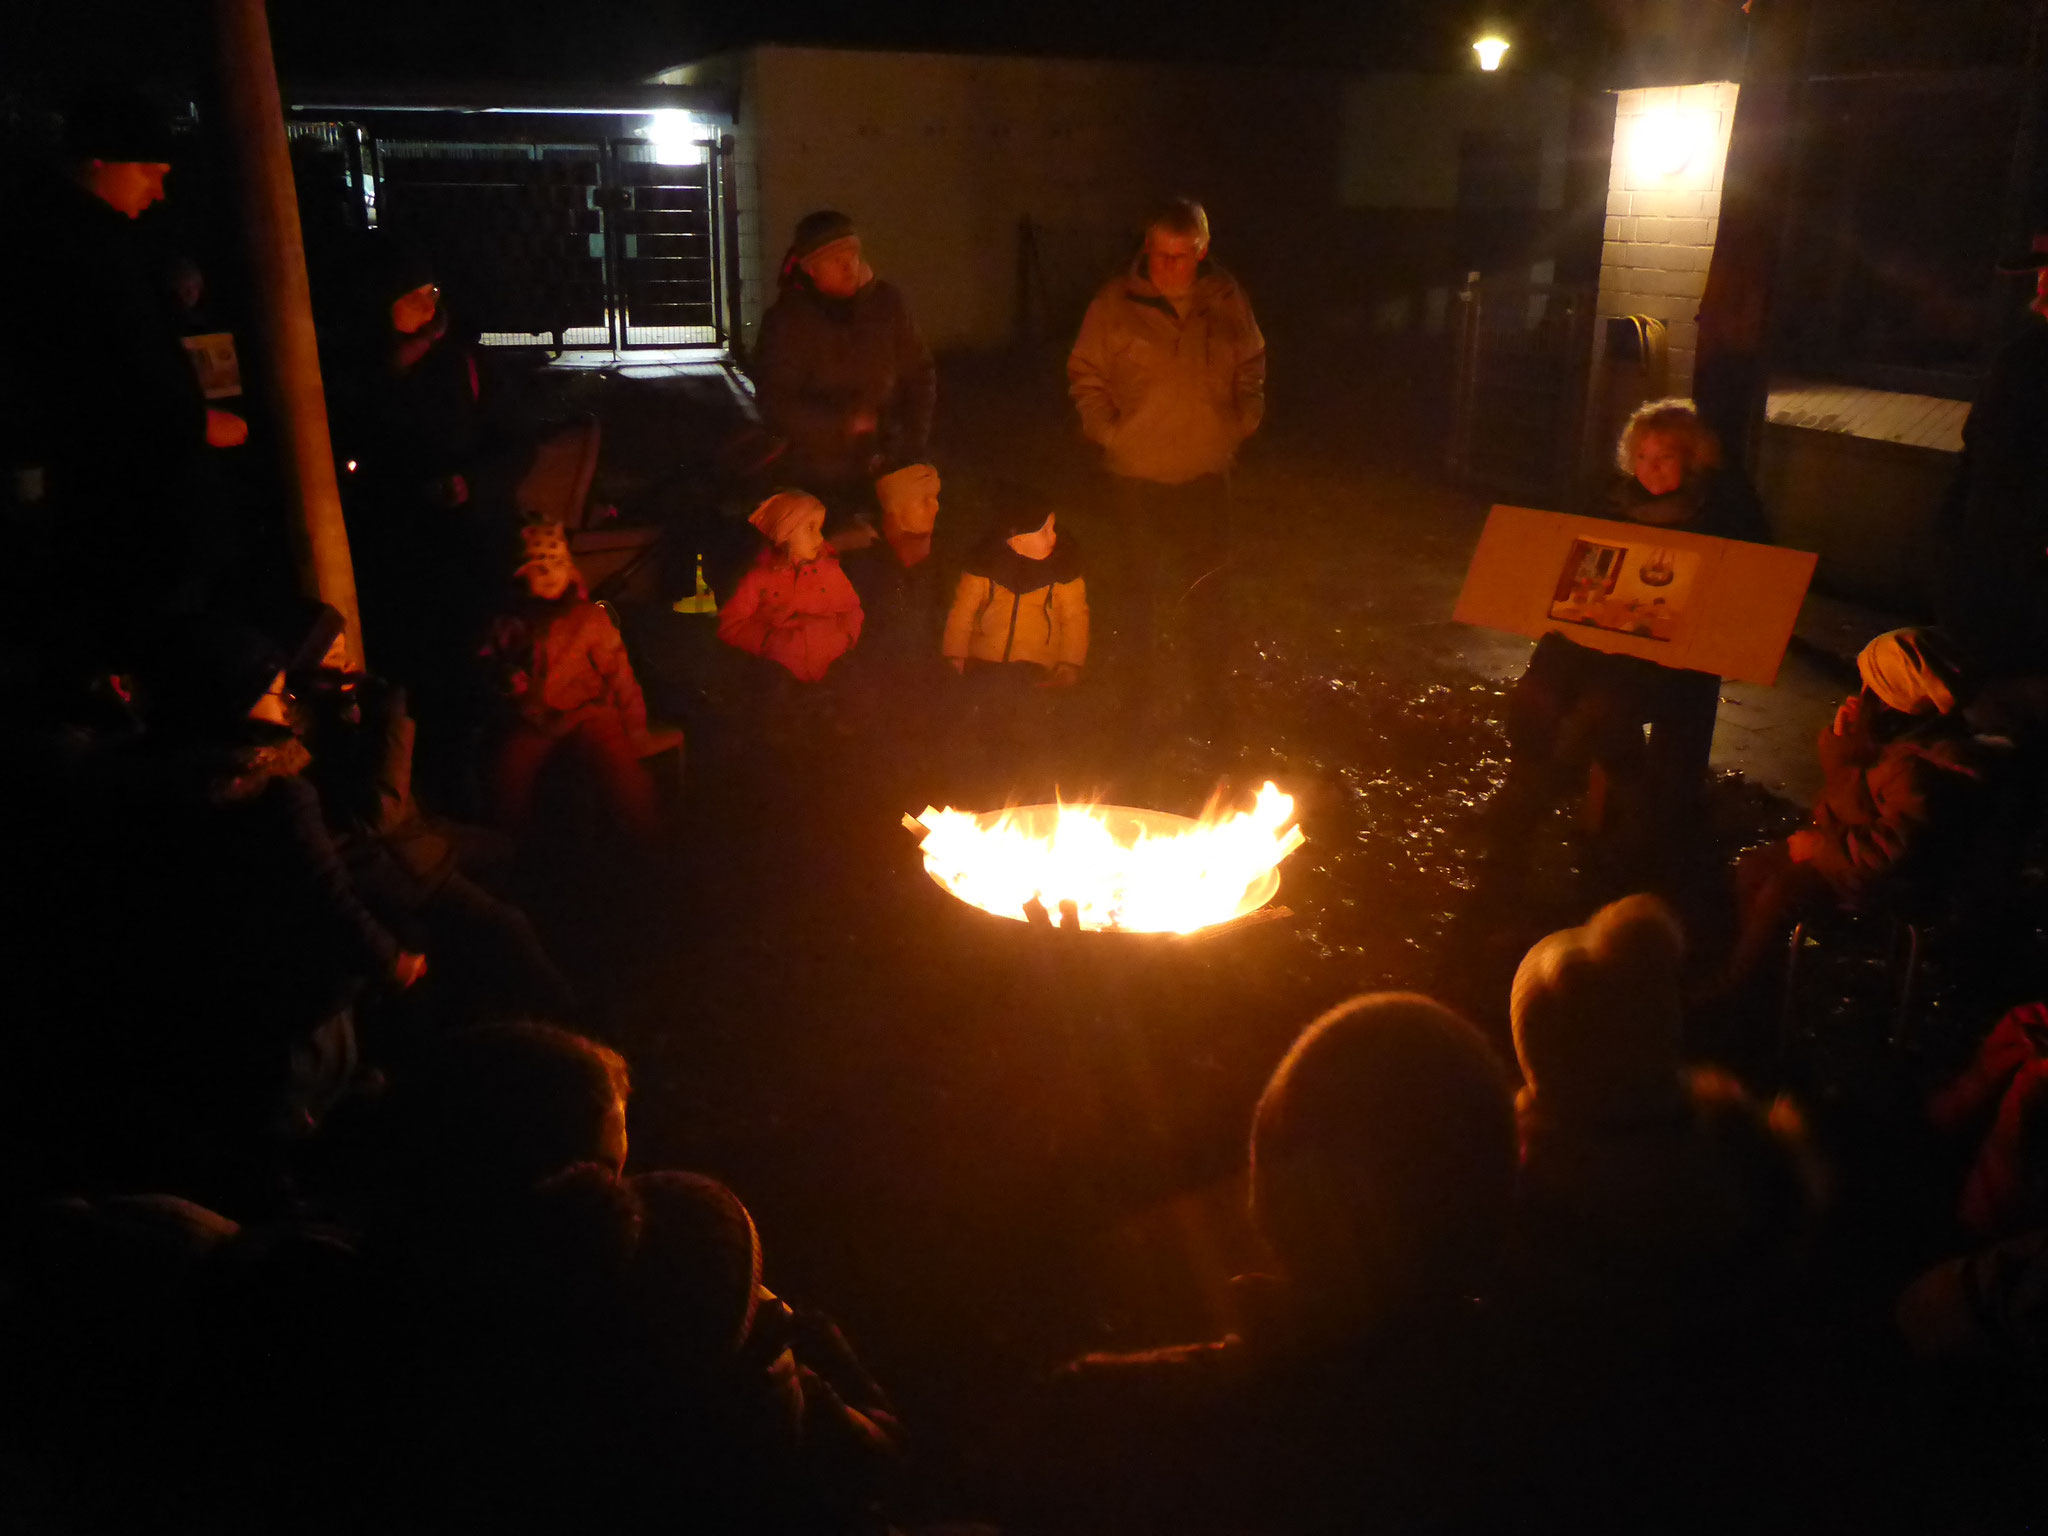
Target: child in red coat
[
  {"x": 795, "y": 606},
  {"x": 573, "y": 689}
]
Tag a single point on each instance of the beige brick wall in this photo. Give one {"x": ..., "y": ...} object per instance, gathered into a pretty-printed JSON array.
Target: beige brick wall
[{"x": 1663, "y": 209}]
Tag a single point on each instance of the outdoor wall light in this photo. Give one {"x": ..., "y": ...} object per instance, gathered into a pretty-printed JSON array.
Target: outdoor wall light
[
  {"x": 1491, "y": 51},
  {"x": 1669, "y": 143},
  {"x": 676, "y": 137}
]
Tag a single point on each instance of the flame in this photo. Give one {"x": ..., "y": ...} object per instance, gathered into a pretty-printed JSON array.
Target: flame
[{"x": 1128, "y": 870}]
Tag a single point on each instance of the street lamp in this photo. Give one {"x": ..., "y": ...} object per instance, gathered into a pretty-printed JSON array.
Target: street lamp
[{"x": 1490, "y": 50}]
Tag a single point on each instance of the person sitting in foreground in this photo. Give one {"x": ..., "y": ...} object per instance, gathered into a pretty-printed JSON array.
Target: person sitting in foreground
[
  {"x": 232, "y": 908},
  {"x": 1908, "y": 779},
  {"x": 413, "y": 870},
  {"x": 1022, "y": 603},
  {"x": 572, "y": 689},
  {"x": 1382, "y": 1175},
  {"x": 795, "y": 606},
  {"x": 1651, "y": 1192},
  {"x": 1576, "y": 706}
]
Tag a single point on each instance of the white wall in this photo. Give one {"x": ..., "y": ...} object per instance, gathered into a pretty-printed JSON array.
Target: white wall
[
  {"x": 1663, "y": 216},
  {"x": 939, "y": 157},
  {"x": 1402, "y": 132}
]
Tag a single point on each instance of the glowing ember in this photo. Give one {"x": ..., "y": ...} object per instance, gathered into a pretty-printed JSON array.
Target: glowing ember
[{"x": 1131, "y": 870}]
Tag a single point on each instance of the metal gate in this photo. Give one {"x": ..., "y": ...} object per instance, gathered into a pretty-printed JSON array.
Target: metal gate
[
  {"x": 610, "y": 243},
  {"x": 1523, "y": 351}
]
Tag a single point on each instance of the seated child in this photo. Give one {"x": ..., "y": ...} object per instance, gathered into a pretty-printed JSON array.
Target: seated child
[
  {"x": 1907, "y": 783},
  {"x": 794, "y": 606},
  {"x": 572, "y": 688},
  {"x": 1653, "y": 1193},
  {"x": 1021, "y": 601}
]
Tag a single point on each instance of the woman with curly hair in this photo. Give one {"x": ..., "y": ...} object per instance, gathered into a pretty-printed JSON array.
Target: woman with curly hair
[{"x": 1576, "y": 707}]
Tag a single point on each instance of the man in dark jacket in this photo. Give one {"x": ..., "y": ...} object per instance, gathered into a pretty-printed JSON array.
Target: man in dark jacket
[
  {"x": 844, "y": 377},
  {"x": 1994, "y": 582},
  {"x": 106, "y": 430}
]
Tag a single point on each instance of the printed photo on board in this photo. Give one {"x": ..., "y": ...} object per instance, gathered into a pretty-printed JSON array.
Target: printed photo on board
[{"x": 1633, "y": 589}]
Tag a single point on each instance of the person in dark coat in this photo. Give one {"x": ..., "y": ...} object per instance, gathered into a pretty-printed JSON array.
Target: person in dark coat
[
  {"x": 843, "y": 376},
  {"x": 106, "y": 433},
  {"x": 1993, "y": 587},
  {"x": 1365, "y": 1389},
  {"x": 1576, "y": 706},
  {"x": 425, "y": 878},
  {"x": 426, "y": 491},
  {"x": 216, "y": 944}
]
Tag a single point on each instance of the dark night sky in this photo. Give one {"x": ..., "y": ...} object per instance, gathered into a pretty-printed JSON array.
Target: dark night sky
[{"x": 1603, "y": 41}]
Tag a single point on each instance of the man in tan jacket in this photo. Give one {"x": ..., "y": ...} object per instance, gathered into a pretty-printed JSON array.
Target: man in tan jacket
[{"x": 1169, "y": 376}]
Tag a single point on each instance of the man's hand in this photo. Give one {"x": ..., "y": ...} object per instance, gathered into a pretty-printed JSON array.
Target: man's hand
[
  {"x": 408, "y": 968},
  {"x": 859, "y": 535},
  {"x": 451, "y": 490},
  {"x": 1845, "y": 717},
  {"x": 224, "y": 429},
  {"x": 1805, "y": 845}
]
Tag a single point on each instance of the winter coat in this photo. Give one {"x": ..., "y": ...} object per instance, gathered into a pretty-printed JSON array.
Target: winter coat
[
  {"x": 98, "y": 395},
  {"x": 820, "y": 361},
  {"x": 1698, "y": 1202},
  {"x": 1169, "y": 398},
  {"x": 1893, "y": 809},
  {"x": 803, "y": 617},
  {"x": 568, "y": 661},
  {"x": 1011, "y": 608},
  {"x": 362, "y": 766}
]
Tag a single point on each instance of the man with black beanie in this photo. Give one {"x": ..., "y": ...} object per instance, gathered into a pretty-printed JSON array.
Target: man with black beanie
[{"x": 105, "y": 430}]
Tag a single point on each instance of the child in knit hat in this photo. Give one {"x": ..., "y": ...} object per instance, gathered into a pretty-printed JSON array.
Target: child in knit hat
[
  {"x": 1645, "y": 1182},
  {"x": 1910, "y": 777},
  {"x": 572, "y": 689},
  {"x": 795, "y": 606},
  {"x": 1021, "y": 601}
]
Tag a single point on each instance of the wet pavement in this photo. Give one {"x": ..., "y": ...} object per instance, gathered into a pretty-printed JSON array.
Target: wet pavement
[{"x": 987, "y": 1152}]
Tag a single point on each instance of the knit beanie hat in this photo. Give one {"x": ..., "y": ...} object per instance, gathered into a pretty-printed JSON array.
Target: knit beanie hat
[
  {"x": 783, "y": 513},
  {"x": 204, "y": 677},
  {"x": 302, "y": 628},
  {"x": 1596, "y": 1014},
  {"x": 1385, "y": 1139},
  {"x": 543, "y": 545},
  {"x": 118, "y": 124},
  {"x": 696, "y": 1276},
  {"x": 815, "y": 231},
  {"x": 1914, "y": 671}
]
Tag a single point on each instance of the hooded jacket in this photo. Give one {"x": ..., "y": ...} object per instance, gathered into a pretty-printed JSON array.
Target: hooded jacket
[
  {"x": 573, "y": 662},
  {"x": 819, "y": 361},
  {"x": 1009, "y": 607},
  {"x": 1169, "y": 397},
  {"x": 803, "y": 617}
]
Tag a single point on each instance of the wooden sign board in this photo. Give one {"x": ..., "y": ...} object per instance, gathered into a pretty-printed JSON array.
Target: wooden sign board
[{"x": 1678, "y": 599}]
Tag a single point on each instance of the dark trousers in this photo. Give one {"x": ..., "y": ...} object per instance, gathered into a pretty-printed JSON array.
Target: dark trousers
[
  {"x": 1172, "y": 581},
  {"x": 1576, "y": 706}
]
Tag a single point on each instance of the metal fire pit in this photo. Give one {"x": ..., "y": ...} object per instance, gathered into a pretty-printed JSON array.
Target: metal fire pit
[{"x": 1125, "y": 823}]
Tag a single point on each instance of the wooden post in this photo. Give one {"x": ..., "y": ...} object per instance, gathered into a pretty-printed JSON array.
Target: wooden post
[
  {"x": 284, "y": 306},
  {"x": 1731, "y": 370}
]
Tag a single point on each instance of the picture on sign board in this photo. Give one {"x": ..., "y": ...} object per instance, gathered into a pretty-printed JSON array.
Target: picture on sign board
[{"x": 1632, "y": 589}]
